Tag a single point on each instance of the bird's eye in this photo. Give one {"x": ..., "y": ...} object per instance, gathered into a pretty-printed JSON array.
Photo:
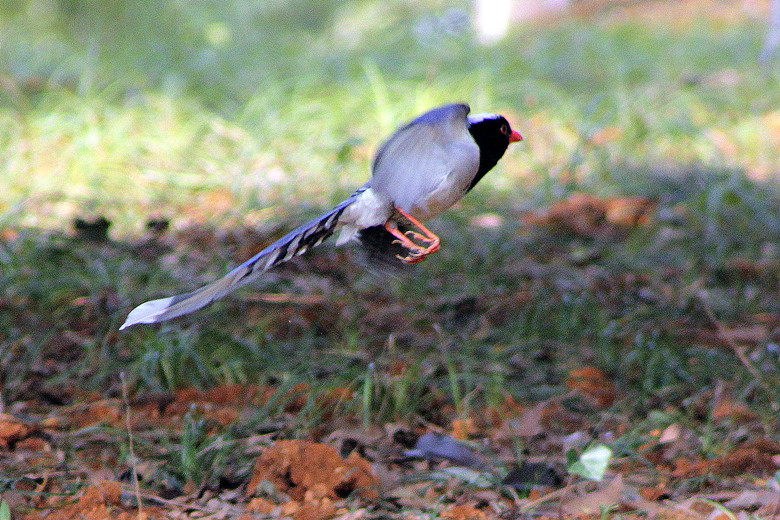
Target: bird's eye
[{"x": 505, "y": 129}]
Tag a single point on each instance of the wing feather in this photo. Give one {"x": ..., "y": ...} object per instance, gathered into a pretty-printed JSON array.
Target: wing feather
[{"x": 428, "y": 165}]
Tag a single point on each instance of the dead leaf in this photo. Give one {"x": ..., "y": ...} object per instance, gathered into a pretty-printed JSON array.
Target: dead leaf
[
  {"x": 670, "y": 434},
  {"x": 104, "y": 411},
  {"x": 314, "y": 509},
  {"x": 592, "y": 503},
  {"x": 289, "y": 466},
  {"x": 653, "y": 494},
  {"x": 754, "y": 499},
  {"x": 756, "y": 457},
  {"x": 592, "y": 384},
  {"x": 98, "y": 502},
  {"x": 587, "y": 215},
  {"x": 12, "y": 430},
  {"x": 728, "y": 408},
  {"x": 436, "y": 446},
  {"x": 463, "y": 428},
  {"x": 261, "y": 505},
  {"x": 530, "y": 422},
  {"x": 465, "y": 512},
  {"x": 753, "y": 457}
]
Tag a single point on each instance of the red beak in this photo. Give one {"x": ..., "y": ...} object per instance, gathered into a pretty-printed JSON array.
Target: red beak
[{"x": 515, "y": 137}]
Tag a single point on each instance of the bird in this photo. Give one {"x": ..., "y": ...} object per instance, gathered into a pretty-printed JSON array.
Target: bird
[{"x": 424, "y": 168}]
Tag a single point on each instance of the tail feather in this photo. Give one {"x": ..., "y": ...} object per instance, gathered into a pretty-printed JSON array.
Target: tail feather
[{"x": 295, "y": 243}]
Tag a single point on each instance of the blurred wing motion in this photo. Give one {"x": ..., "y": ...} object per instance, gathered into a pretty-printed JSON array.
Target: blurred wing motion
[{"x": 293, "y": 244}]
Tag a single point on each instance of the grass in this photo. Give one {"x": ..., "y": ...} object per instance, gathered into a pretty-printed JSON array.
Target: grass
[{"x": 235, "y": 142}]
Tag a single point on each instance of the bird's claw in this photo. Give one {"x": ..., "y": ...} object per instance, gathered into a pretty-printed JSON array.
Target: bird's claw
[
  {"x": 414, "y": 235},
  {"x": 413, "y": 258},
  {"x": 417, "y": 252}
]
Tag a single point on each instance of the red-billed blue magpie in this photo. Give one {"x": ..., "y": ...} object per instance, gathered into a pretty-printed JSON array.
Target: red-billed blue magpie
[{"x": 423, "y": 169}]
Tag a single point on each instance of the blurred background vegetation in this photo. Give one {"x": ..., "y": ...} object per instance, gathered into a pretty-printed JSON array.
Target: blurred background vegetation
[
  {"x": 119, "y": 107},
  {"x": 235, "y": 115}
]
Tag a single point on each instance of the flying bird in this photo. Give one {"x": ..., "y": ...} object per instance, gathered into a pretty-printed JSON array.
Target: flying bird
[{"x": 424, "y": 168}]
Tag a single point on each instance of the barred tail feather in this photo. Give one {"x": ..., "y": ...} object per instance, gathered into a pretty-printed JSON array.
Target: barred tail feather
[{"x": 293, "y": 244}]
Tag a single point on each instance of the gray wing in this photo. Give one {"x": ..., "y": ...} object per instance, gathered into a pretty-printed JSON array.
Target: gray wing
[{"x": 426, "y": 166}]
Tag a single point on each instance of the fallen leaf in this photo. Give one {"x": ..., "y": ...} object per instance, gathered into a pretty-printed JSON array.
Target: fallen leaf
[
  {"x": 98, "y": 502},
  {"x": 288, "y": 464},
  {"x": 465, "y": 512},
  {"x": 261, "y": 505},
  {"x": 438, "y": 446},
  {"x": 670, "y": 434},
  {"x": 728, "y": 408},
  {"x": 592, "y": 384},
  {"x": 653, "y": 494},
  {"x": 530, "y": 422},
  {"x": 12, "y": 430},
  {"x": 593, "y": 462},
  {"x": 754, "y": 499},
  {"x": 593, "y": 503},
  {"x": 756, "y": 457},
  {"x": 587, "y": 215},
  {"x": 463, "y": 428}
]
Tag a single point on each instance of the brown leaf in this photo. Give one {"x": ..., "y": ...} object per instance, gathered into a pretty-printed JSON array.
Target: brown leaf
[
  {"x": 261, "y": 505},
  {"x": 12, "y": 430},
  {"x": 587, "y": 215},
  {"x": 752, "y": 457},
  {"x": 290, "y": 466},
  {"x": 462, "y": 429},
  {"x": 530, "y": 422},
  {"x": 654, "y": 493},
  {"x": 314, "y": 509},
  {"x": 592, "y": 503},
  {"x": 98, "y": 502},
  {"x": 728, "y": 408},
  {"x": 104, "y": 411},
  {"x": 592, "y": 384},
  {"x": 465, "y": 512}
]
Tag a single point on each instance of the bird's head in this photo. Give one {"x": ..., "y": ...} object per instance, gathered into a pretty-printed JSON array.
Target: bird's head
[
  {"x": 492, "y": 133},
  {"x": 492, "y": 127}
]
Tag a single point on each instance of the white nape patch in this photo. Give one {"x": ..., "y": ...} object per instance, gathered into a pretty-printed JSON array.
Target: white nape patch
[{"x": 478, "y": 118}]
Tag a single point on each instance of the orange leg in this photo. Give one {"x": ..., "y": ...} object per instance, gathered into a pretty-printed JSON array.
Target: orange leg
[{"x": 417, "y": 253}]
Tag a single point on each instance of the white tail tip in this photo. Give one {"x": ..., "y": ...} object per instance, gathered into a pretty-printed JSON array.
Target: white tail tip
[{"x": 149, "y": 312}]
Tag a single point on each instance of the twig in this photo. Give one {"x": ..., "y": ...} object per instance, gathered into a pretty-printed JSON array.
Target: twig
[
  {"x": 296, "y": 299},
  {"x": 739, "y": 350},
  {"x": 550, "y": 496},
  {"x": 133, "y": 461}
]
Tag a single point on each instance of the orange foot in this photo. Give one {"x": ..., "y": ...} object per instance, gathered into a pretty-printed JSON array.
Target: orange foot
[{"x": 417, "y": 252}]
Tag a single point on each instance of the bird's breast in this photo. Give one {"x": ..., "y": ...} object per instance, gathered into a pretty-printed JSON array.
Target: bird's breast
[{"x": 440, "y": 199}]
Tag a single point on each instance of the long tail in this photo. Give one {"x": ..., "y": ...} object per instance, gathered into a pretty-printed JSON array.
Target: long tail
[{"x": 293, "y": 244}]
